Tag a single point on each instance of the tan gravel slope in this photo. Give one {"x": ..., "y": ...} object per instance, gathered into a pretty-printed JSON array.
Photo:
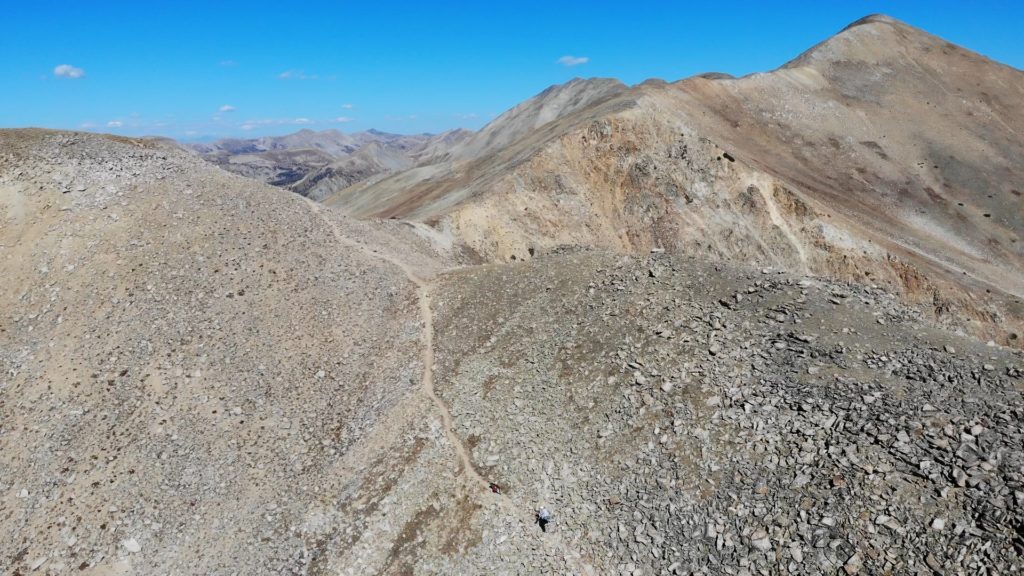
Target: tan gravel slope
[{"x": 201, "y": 374}]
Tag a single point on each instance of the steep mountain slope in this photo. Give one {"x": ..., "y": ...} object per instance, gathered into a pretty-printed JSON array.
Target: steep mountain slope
[
  {"x": 549, "y": 105},
  {"x": 438, "y": 148},
  {"x": 884, "y": 155},
  {"x": 494, "y": 151}
]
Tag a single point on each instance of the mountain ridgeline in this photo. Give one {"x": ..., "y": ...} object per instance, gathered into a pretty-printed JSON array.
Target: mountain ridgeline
[{"x": 882, "y": 156}]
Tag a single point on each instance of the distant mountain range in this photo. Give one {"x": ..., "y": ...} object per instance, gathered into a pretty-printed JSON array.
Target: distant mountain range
[{"x": 317, "y": 164}]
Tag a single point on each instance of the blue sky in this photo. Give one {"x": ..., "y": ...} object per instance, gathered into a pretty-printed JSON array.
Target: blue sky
[{"x": 192, "y": 70}]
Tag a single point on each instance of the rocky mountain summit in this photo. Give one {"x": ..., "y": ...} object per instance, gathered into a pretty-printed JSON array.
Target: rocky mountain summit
[
  {"x": 884, "y": 156},
  {"x": 677, "y": 316}
]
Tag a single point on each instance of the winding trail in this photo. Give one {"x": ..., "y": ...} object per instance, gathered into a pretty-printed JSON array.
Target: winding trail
[
  {"x": 426, "y": 339},
  {"x": 427, "y": 383},
  {"x": 471, "y": 477}
]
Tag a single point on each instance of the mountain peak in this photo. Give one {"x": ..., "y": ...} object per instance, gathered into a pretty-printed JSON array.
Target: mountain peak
[
  {"x": 871, "y": 39},
  {"x": 874, "y": 19}
]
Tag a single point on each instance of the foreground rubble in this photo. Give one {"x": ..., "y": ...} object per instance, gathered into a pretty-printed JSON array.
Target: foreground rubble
[{"x": 687, "y": 419}]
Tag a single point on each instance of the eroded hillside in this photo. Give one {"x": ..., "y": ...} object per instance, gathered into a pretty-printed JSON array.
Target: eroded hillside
[{"x": 885, "y": 155}]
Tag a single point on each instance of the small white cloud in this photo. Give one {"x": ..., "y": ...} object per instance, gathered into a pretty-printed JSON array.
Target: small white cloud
[
  {"x": 227, "y": 108},
  {"x": 228, "y": 63},
  {"x": 342, "y": 119},
  {"x": 68, "y": 71},
  {"x": 569, "y": 60},
  {"x": 250, "y": 124},
  {"x": 115, "y": 124},
  {"x": 296, "y": 75},
  {"x": 347, "y": 106}
]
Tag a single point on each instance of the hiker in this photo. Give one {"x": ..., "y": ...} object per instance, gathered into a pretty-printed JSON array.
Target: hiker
[
  {"x": 543, "y": 517},
  {"x": 495, "y": 488}
]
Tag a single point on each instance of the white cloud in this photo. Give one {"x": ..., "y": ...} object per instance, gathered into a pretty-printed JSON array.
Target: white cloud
[
  {"x": 342, "y": 119},
  {"x": 68, "y": 71},
  {"x": 250, "y": 124},
  {"x": 569, "y": 60},
  {"x": 115, "y": 124},
  {"x": 227, "y": 108},
  {"x": 347, "y": 106},
  {"x": 296, "y": 75}
]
